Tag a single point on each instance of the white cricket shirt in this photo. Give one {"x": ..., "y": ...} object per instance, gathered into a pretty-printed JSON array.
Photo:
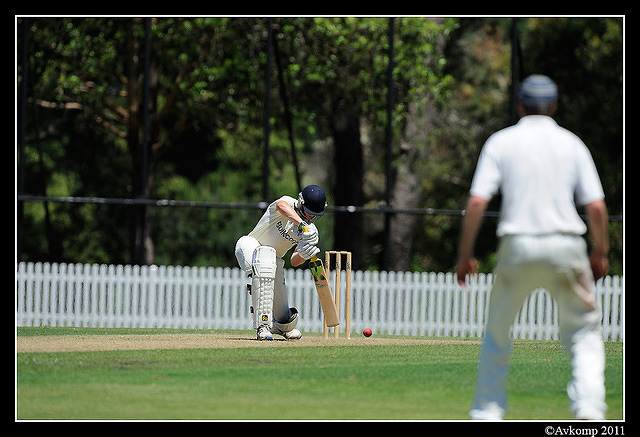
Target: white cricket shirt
[
  {"x": 542, "y": 171},
  {"x": 273, "y": 229}
]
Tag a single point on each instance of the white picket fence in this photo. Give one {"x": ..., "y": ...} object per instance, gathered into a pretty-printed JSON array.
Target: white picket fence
[{"x": 414, "y": 304}]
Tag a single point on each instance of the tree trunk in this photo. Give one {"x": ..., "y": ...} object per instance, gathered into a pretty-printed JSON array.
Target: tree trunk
[
  {"x": 348, "y": 161},
  {"x": 140, "y": 241},
  {"x": 407, "y": 188},
  {"x": 133, "y": 141}
]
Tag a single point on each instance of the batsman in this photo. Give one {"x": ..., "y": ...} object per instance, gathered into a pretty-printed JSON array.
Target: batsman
[{"x": 261, "y": 255}]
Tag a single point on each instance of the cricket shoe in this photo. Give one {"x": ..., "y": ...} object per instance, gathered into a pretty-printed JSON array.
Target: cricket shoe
[
  {"x": 589, "y": 415},
  {"x": 487, "y": 411},
  {"x": 294, "y": 334},
  {"x": 264, "y": 333}
]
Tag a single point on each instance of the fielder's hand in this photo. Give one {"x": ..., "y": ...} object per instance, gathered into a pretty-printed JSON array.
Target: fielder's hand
[
  {"x": 599, "y": 264},
  {"x": 466, "y": 265},
  {"x": 307, "y": 251}
]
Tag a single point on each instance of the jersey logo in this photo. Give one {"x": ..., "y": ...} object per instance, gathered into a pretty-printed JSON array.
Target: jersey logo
[{"x": 283, "y": 233}]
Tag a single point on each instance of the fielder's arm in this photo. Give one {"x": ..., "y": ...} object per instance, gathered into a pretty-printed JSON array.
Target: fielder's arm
[
  {"x": 598, "y": 220},
  {"x": 470, "y": 226}
]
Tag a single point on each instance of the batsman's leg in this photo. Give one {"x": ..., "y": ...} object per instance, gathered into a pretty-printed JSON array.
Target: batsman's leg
[
  {"x": 285, "y": 319},
  {"x": 245, "y": 248},
  {"x": 262, "y": 289},
  {"x": 287, "y": 327}
]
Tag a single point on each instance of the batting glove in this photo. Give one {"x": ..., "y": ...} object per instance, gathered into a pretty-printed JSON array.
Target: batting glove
[
  {"x": 307, "y": 251},
  {"x": 310, "y": 237}
]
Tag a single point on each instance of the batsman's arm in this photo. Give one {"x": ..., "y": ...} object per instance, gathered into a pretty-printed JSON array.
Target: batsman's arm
[
  {"x": 288, "y": 212},
  {"x": 303, "y": 227},
  {"x": 297, "y": 260}
]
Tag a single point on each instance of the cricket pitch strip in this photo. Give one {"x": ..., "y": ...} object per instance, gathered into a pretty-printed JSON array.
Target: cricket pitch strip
[{"x": 87, "y": 343}]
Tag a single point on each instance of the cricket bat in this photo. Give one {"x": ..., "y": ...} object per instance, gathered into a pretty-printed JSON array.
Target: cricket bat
[
  {"x": 323, "y": 288},
  {"x": 324, "y": 291}
]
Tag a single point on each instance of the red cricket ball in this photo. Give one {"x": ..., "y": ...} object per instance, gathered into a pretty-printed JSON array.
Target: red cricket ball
[{"x": 367, "y": 332}]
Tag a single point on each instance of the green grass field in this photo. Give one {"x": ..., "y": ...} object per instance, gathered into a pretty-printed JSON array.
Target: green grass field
[{"x": 391, "y": 382}]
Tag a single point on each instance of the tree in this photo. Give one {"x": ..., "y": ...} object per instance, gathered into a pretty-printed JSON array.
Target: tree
[
  {"x": 338, "y": 67},
  {"x": 424, "y": 86},
  {"x": 207, "y": 90}
]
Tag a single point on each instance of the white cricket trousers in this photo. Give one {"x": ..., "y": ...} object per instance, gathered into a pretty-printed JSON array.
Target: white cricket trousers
[
  {"x": 245, "y": 248},
  {"x": 558, "y": 263}
]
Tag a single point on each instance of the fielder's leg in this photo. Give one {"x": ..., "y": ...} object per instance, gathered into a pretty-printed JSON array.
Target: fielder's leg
[
  {"x": 507, "y": 294},
  {"x": 579, "y": 317},
  {"x": 262, "y": 287},
  {"x": 490, "y": 400},
  {"x": 581, "y": 335}
]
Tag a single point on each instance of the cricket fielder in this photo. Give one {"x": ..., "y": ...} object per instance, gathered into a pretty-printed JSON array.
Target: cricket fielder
[
  {"x": 261, "y": 253},
  {"x": 543, "y": 172}
]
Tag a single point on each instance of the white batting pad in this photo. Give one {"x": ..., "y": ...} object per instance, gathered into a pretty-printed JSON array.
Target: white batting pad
[{"x": 262, "y": 285}]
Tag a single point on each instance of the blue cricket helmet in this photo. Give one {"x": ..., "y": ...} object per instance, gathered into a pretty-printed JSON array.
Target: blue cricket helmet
[{"x": 312, "y": 200}]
